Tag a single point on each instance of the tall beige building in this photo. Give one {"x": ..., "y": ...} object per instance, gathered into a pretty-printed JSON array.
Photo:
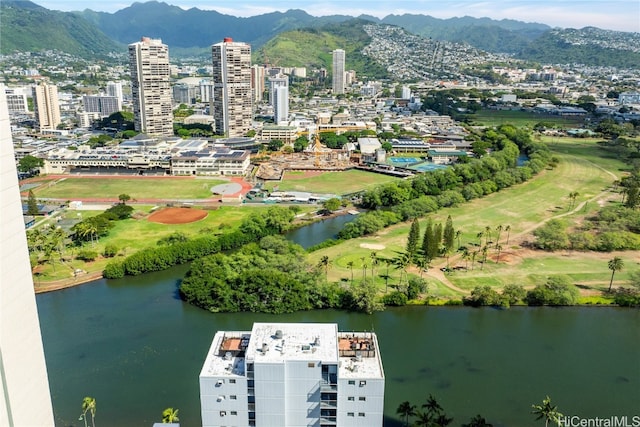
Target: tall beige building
[
  {"x": 232, "y": 103},
  {"x": 338, "y": 71},
  {"x": 26, "y": 399},
  {"x": 150, "y": 87},
  {"x": 257, "y": 82},
  {"x": 46, "y": 106}
]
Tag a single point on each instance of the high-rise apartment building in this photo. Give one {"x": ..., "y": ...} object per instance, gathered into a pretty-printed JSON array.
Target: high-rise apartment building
[
  {"x": 115, "y": 89},
  {"x": 279, "y": 98},
  {"x": 150, "y": 87},
  {"x": 25, "y": 400},
  {"x": 257, "y": 82},
  {"x": 206, "y": 90},
  {"x": 16, "y": 101},
  {"x": 46, "y": 107},
  {"x": 292, "y": 374},
  {"x": 338, "y": 71},
  {"x": 274, "y": 83},
  {"x": 232, "y": 103},
  {"x": 281, "y": 105},
  {"x": 103, "y": 104}
]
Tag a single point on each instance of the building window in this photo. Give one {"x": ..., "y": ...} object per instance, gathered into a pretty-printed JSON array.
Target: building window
[
  {"x": 234, "y": 412},
  {"x": 223, "y": 413},
  {"x": 234, "y": 397},
  {"x": 352, "y": 382},
  {"x": 363, "y": 383},
  {"x": 350, "y": 398},
  {"x": 362, "y": 398},
  {"x": 232, "y": 381},
  {"x": 361, "y": 414},
  {"x": 350, "y": 414},
  {"x": 311, "y": 365}
]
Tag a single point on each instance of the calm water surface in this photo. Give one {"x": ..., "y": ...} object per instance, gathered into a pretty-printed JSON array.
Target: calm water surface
[{"x": 135, "y": 347}]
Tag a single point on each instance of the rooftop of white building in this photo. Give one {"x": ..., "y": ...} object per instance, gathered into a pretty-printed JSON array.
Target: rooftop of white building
[
  {"x": 277, "y": 342},
  {"x": 356, "y": 353}
]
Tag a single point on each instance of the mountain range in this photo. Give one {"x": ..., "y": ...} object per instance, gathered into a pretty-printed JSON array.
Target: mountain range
[{"x": 29, "y": 27}]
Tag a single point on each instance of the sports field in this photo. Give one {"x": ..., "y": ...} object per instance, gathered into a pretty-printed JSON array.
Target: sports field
[
  {"x": 329, "y": 182},
  {"x": 139, "y": 188},
  {"x": 521, "y": 118}
]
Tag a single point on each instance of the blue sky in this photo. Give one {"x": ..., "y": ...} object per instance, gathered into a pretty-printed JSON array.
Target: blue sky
[{"x": 622, "y": 15}]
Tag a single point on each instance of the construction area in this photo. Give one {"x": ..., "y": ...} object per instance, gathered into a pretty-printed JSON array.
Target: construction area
[{"x": 322, "y": 159}]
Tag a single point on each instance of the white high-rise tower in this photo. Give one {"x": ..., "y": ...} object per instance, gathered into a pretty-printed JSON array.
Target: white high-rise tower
[
  {"x": 338, "y": 71},
  {"x": 150, "y": 87},
  {"x": 26, "y": 399},
  {"x": 279, "y": 98}
]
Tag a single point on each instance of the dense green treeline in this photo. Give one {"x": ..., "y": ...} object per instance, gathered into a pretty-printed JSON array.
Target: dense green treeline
[
  {"x": 273, "y": 220},
  {"x": 425, "y": 193},
  {"x": 269, "y": 276}
]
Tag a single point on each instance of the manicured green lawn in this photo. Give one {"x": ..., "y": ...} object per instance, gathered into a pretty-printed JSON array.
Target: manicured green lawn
[
  {"x": 521, "y": 208},
  {"x": 136, "y": 187},
  {"x": 520, "y": 119},
  {"x": 331, "y": 182}
]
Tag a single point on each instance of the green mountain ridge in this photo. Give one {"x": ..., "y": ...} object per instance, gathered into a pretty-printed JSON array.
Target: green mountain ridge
[
  {"x": 89, "y": 34},
  {"x": 312, "y": 48},
  {"x": 28, "y": 27}
]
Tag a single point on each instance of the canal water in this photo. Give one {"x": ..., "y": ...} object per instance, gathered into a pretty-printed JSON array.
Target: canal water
[
  {"x": 317, "y": 232},
  {"x": 135, "y": 347}
]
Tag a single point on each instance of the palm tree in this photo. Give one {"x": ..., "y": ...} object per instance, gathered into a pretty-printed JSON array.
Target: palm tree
[
  {"x": 477, "y": 421},
  {"x": 465, "y": 257},
  {"x": 499, "y": 230},
  {"x": 432, "y": 406},
  {"x": 508, "y": 230},
  {"x": 547, "y": 411},
  {"x": 350, "y": 265},
  {"x": 169, "y": 416},
  {"x": 487, "y": 234},
  {"x": 325, "y": 262},
  {"x": 401, "y": 262},
  {"x": 423, "y": 265},
  {"x": 479, "y": 236},
  {"x": 484, "y": 256},
  {"x": 374, "y": 263},
  {"x": 364, "y": 268},
  {"x": 407, "y": 410},
  {"x": 474, "y": 254},
  {"x": 458, "y": 234},
  {"x": 89, "y": 405},
  {"x": 615, "y": 264},
  {"x": 498, "y": 249}
]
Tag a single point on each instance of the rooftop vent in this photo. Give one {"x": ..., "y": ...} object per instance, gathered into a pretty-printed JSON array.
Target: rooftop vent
[
  {"x": 228, "y": 356},
  {"x": 278, "y": 335}
]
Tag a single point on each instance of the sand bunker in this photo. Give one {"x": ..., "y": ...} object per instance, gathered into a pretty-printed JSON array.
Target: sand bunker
[{"x": 372, "y": 246}]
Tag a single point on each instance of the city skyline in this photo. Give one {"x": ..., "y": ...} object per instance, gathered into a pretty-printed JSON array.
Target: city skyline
[{"x": 620, "y": 15}]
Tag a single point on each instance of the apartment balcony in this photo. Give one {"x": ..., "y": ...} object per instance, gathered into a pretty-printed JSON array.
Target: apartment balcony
[{"x": 329, "y": 404}]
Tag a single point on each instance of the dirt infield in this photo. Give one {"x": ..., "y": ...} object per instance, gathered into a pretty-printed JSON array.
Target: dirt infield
[{"x": 177, "y": 215}]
